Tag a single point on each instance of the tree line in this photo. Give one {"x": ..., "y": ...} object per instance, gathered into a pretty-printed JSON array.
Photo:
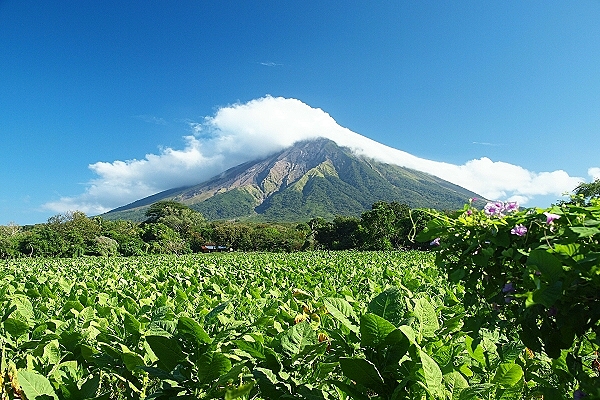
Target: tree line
[{"x": 173, "y": 228}]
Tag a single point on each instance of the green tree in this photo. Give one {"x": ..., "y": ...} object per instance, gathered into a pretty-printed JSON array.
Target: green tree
[
  {"x": 162, "y": 209},
  {"x": 105, "y": 246},
  {"x": 161, "y": 239},
  {"x": 321, "y": 232},
  {"x": 42, "y": 241},
  {"x": 345, "y": 233},
  {"x": 127, "y": 234},
  {"x": 378, "y": 227},
  {"x": 187, "y": 222},
  {"x": 9, "y": 240},
  {"x": 588, "y": 190},
  {"x": 77, "y": 231},
  {"x": 233, "y": 235}
]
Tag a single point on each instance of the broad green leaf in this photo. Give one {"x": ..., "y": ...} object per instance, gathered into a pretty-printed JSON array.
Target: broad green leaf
[
  {"x": 324, "y": 369},
  {"x": 270, "y": 387},
  {"x": 511, "y": 351},
  {"x": 34, "y": 385},
  {"x": 583, "y": 231},
  {"x": 311, "y": 352},
  {"x": 297, "y": 337},
  {"x": 208, "y": 318},
  {"x": 240, "y": 391},
  {"x": 16, "y": 327},
  {"x": 309, "y": 392},
  {"x": 374, "y": 329},
  {"x": 432, "y": 372},
  {"x": 341, "y": 310},
  {"x": 548, "y": 294},
  {"x": 428, "y": 320},
  {"x": 475, "y": 350},
  {"x": 515, "y": 392},
  {"x": 90, "y": 387},
  {"x": 409, "y": 333},
  {"x": 455, "y": 383},
  {"x": 23, "y": 306},
  {"x": 508, "y": 374},
  {"x": 167, "y": 350},
  {"x": 477, "y": 392},
  {"x": 547, "y": 264},
  {"x": 72, "y": 304},
  {"x": 130, "y": 359},
  {"x": 51, "y": 353},
  {"x": 567, "y": 249},
  {"x": 212, "y": 365},
  {"x": 132, "y": 325},
  {"x": 86, "y": 315},
  {"x": 389, "y": 304},
  {"x": 362, "y": 372},
  {"x": 190, "y": 327},
  {"x": 253, "y": 348},
  {"x": 351, "y": 390}
]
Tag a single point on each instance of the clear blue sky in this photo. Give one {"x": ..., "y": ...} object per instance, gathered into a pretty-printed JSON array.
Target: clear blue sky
[{"x": 86, "y": 82}]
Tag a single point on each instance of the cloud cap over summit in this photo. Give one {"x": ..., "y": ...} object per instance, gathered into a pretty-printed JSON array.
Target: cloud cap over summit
[{"x": 247, "y": 131}]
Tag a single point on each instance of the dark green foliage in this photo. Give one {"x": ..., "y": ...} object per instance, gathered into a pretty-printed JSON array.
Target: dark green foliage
[
  {"x": 588, "y": 190},
  {"x": 127, "y": 236},
  {"x": 386, "y": 226},
  {"x": 226, "y": 205},
  {"x": 10, "y": 237},
  {"x": 163, "y": 208},
  {"x": 343, "y": 233},
  {"x": 175, "y": 228},
  {"x": 161, "y": 239},
  {"x": 540, "y": 281},
  {"x": 42, "y": 241}
]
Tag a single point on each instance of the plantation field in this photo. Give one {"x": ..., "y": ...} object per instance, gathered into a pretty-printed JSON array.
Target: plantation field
[{"x": 310, "y": 325}]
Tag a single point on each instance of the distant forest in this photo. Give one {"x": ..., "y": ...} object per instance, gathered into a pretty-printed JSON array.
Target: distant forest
[{"x": 173, "y": 228}]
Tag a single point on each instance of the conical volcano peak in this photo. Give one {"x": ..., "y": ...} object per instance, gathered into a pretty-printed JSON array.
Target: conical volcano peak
[{"x": 312, "y": 178}]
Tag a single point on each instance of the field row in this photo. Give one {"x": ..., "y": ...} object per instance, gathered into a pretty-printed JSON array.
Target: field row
[{"x": 314, "y": 325}]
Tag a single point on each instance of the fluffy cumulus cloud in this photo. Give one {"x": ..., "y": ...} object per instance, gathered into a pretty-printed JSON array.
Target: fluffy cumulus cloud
[
  {"x": 594, "y": 173},
  {"x": 248, "y": 131}
]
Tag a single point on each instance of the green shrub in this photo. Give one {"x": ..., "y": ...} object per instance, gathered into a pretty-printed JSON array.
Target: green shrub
[{"x": 533, "y": 272}]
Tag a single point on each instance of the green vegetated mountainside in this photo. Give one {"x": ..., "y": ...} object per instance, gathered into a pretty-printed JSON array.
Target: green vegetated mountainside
[{"x": 315, "y": 178}]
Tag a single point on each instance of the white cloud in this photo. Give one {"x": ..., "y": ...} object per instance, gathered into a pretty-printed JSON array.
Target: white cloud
[
  {"x": 594, "y": 172},
  {"x": 270, "y": 64},
  {"x": 243, "y": 132}
]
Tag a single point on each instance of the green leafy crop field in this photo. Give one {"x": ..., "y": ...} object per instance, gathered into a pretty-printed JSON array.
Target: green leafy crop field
[{"x": 311, "y": 325}]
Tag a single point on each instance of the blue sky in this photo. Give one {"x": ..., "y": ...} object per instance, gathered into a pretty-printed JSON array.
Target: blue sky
[{"x": 105, "y": 102}]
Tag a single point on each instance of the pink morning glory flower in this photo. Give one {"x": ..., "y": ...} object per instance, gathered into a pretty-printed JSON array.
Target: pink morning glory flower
[
  {"x": 494, "y": 208},
  {"x": 519, "y": 230},
  {"x": 511, "y": 206},
  {"x": 551, "y": 217}
]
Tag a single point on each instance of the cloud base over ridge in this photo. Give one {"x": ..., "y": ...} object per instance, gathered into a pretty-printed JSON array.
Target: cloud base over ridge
[{"x": 248, "y": 131}]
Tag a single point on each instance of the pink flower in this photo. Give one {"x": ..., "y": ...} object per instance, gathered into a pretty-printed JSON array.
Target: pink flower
[
  {"x": 551, "y": 217},
  {"x": 511, "y": 206},
  {"x": 435, "y": 242},
  {"x": 519, "y": 230},
  {"x": 494, "y": 208}
]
